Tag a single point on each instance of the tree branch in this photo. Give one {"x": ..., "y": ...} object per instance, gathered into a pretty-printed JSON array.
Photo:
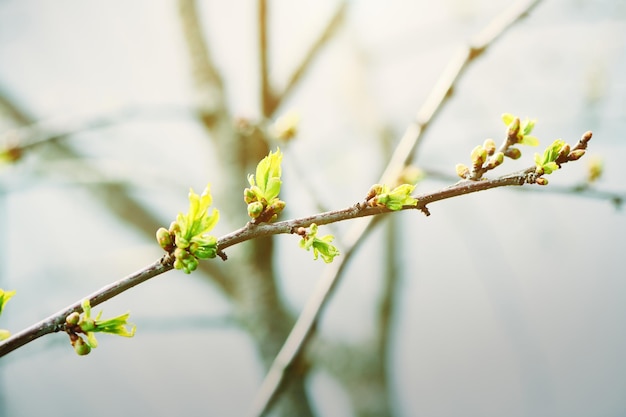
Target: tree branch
[
  {"x": 209, "y": 86},
  {"x": 54, "y": 323},
  {"x": 325, "y": 36},
  {"x": 267, "y": 94}
]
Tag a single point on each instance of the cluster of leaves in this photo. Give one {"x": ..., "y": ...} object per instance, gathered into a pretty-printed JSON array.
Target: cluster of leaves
[
  {"x": 556, "y": 154},
  {"x": 262, "y": 196},
  {"x": 380, "y": 195},
  {"x": 486, "y": 157},
  {"x": 77, "y": 324},
  {"x": 187, "y": 238},
  {"x": 5, "y": 296},
  {"x": 321, "y": 245}
]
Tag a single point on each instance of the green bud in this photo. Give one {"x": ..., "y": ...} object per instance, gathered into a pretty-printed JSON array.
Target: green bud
[
  {"x": 490, "y": 146},
  {"x": 87, "y": 324},
  {"x": 73, "y": 319},
  {"x": 542, "y": 181},
  {"x": 462, "y": 171},
  {"x": 276, "y": 206},
  {"x": 164, "y": 238},
  {"x": 178, "y": 264},
  {"x": 174, "y": 227},
  {"x": 255, "y": 209},
  {"x": 81, "y": 347},
  {"x": 513, "y": 153},
  {"x": 374, "y": 191},
  {"x": 495, "y": 160},
  {"x": 479, "y": 156},
  {"x": 514, "y": 129},
  {"x": 182, "y": 254},
  {"x": 249, "y": 196}
]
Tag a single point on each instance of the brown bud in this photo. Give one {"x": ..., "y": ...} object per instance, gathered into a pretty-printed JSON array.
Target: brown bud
[
  {"x": 575, "y": 154},
  {"x": 513, "y": 153},
  {"x": 490, "y": 146},
  {"x": 462, "y": 171}
]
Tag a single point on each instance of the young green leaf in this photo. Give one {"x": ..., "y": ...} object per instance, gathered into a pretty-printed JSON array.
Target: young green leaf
[
  {"x": 395, "y": 199},
  {"x": 321, "y": 245},
  {"x": 5, "y": 296},
  {"x": 188, "y": 237},
  {"x": 262, "y": 196}
]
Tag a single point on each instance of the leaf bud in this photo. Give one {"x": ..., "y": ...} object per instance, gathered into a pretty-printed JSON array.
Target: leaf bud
[
  {"x": 513, "y": 153},
  {"x": 164, "y": 238},
  {"x": 490, "y": 146},
  {"x": 374, "y": 191},
  {"x": 276, "y": 206},
  {"x": 514, "y": 129},
  {"x": 479, "y": 156},
  {"x": 565, "y": 150},
  {"x": 575, "y": 154},
  {"x": 462, "y": 171},
  {"x": 73, "y": 319},
  {"x": 255, "y": 209},
  {"x": 249, "y": 196},
  {"x": 81, "y": 347},
  {"x": 541, "y": 181}
]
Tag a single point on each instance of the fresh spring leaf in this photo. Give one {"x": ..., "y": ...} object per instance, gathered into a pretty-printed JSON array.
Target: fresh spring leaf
[
  {"x": 321, "y": 246},
  {"x": 116, "y": 325},
  {"x": 394, "y": 199},
  {"x": 546, "y": 162},
  {"x": 268, "y": 172},
  {"x": 262, "y": 196},
  {"x": 525, "y": 129},
  {"x": 5, "y": 296},
  {"x": 527, "y": 126},
  {"x": 188, "y": 237},
  {"x": 507, "y": 118},
  {"x": 529, "y": 141}
]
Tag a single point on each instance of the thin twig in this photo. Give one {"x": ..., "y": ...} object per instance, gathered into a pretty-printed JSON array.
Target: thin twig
[
  {"x": 326, "y": 35},
  {"x": 32, "y": 135},
  {"x": 55, "y": 322},
  {"x": 209, "y": 86},
  {"x": 581, "y": 190},
  {"x": 267, "y": 94},
  {"x": 251, "y": 231},
  {"x": 402, "y": 155}
]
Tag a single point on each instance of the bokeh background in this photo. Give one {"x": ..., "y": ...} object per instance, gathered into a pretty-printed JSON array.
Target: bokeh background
[{"x": 511, "y": 302}]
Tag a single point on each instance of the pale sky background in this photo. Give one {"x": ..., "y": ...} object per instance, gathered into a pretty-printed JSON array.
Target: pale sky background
[{"x": 513, "y": 303}]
